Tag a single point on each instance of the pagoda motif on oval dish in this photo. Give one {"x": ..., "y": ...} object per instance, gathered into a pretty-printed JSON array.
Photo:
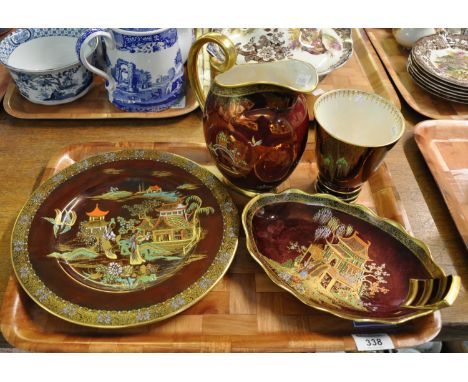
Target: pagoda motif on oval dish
[{"x": 335, "y": 268}]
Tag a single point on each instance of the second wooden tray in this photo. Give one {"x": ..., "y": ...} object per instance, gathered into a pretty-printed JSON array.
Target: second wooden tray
[
  {"x": 444, "y": 145},
  {"x": 93, "y": 105},
  {"x": 395, "y": 58},
  {"x": 244, "y": 312}
]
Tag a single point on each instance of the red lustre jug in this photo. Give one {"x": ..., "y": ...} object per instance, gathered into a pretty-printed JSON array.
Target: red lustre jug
[{"x": 255, "y": 116}]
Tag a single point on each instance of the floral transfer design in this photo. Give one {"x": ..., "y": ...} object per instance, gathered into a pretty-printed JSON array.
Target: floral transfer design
[
  {"x": 326, "y": 49},
  {"x": 315, "y": 41},
  {"x": 454, "y": 64},
  {"x": 269, "y": 47},
  {"x": 146, "y": 43},
  {"x": 142, "y": 248}
]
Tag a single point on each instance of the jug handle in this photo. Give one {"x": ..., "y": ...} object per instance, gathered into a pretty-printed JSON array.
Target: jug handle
[
  {"x": 87, "y": 36},
  {"x": 230, "y": 55}
]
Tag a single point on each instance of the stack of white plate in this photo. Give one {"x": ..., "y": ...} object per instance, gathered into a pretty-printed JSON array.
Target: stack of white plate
[{"x": 439, "y": 65}]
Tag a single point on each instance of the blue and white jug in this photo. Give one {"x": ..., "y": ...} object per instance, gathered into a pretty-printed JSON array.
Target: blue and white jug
[{"x": 144, "y": 68}]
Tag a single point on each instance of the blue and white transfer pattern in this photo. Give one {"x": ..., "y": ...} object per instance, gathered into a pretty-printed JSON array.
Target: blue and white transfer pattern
[
  {"x": 137, "y": 91},
  {"x": 20, "y": 36},
  {"x": 49, "y": 87},
  {"x": 144, "y": 72},
  {"x": 146, "y": 43},
  {"x": 59, "y": 86}
]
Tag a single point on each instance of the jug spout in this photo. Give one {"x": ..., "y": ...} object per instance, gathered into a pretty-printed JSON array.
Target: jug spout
[{"x": 293, "y": 75}]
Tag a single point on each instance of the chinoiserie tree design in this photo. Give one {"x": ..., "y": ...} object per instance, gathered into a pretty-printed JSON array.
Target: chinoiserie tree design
[
  {"x": 86, "y": 238},
  {"x": 335, "y": 168},
  {"x": 126, "y": 225},
  {"x": 194, "y": 208},
  {"x": 141, "y": 210},
  {"x": 330, "y": 227},
  {"x": 373, "y": 280}
]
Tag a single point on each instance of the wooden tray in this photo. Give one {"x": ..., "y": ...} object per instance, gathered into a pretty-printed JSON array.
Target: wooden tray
[
  {"x": 444, "y": 145},
  {"x": 244, "y": 312},
  {"x": 394, "y": 58},
  {"x": 93, "y": 105}
]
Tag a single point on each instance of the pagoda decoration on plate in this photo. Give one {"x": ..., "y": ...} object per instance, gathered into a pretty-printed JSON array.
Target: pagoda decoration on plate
[
  {"x": 97, "y": 226},
  {"x": 154, "y": 234}
]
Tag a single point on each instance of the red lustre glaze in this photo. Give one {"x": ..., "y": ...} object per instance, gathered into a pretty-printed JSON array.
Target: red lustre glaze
[
  {"x": 257, "y": 139},
  {"x": 310, "y": 247},
  {"x": 124, "y": 204}
]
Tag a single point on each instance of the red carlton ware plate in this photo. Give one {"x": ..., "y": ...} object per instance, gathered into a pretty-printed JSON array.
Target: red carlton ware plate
[
  {"x": 124, "y": 238},
  {"x": 344, "y": 259}
]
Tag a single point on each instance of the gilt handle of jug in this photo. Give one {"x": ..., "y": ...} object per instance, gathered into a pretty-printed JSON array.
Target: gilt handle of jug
[{"x": 230, "y": 55}]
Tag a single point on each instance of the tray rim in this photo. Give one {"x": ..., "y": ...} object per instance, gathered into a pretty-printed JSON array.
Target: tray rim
[
  {"x": 401, "y": 87},
  {"x": 424, "y": 147},
  {"x": 53, "y": 302},
  {"x": 12, "y": 329},
  {"x": 426, "y": 260},
  {"x": 119, "y": 114}
]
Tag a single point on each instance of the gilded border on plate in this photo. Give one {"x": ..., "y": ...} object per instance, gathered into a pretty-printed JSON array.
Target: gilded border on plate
[{"x": 66, "y": 310}]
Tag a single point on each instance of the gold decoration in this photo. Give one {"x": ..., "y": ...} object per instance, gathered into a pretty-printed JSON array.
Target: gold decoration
[{"x": 77, "y": 314}]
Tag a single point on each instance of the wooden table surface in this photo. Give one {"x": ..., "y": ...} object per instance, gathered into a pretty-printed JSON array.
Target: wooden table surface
[{"x": 27, "y": 145}]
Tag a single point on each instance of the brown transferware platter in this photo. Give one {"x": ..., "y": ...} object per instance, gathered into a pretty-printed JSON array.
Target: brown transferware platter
[
  {"x": 326, "y": 49},
  {"x": 124, "y": 238},
  {"x": 344, "y": 259}
]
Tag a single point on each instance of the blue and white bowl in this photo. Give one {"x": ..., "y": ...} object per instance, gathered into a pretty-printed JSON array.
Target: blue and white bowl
[{"x": 44, "y": 66}]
